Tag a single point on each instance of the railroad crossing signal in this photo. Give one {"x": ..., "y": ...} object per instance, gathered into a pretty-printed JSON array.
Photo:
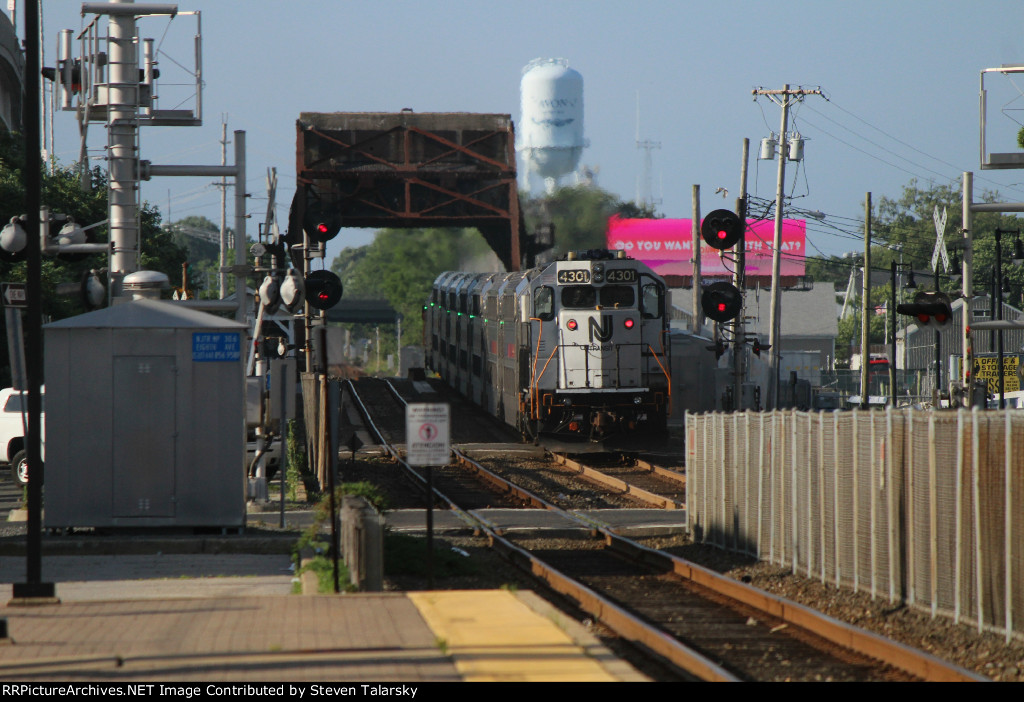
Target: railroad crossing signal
[
  {"x": 940, "y": 240},
  {"x": 932, "y": 309}
]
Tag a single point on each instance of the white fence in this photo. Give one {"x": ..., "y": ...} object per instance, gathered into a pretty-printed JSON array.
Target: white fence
[{"x": 921, "y": 507}]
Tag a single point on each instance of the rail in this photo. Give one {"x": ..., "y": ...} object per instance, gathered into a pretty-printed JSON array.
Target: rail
[{"x": 633, "y": 628}]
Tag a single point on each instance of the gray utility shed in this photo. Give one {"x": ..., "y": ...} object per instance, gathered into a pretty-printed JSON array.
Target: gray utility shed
[{"x": 145, "y": 418}]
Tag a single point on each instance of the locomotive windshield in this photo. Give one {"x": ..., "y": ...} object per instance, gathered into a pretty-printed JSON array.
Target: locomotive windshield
[
  {"x": 617, "y": 296},
  {"x": 583, "y": 297},
  {"x": 579, "y": 297}
]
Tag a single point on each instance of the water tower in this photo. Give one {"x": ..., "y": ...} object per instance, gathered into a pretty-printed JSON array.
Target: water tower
[{"x": 550, "y": 132}]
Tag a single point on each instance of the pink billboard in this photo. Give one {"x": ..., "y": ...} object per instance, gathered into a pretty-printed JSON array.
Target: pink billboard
[{"x": 666, "y": 246}]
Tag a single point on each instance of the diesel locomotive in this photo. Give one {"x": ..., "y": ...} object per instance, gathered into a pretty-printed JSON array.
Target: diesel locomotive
[{"x": 577, "y": 347}]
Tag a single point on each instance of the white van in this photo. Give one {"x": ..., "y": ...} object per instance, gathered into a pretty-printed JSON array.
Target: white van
[{"x": 13, "y": 409}]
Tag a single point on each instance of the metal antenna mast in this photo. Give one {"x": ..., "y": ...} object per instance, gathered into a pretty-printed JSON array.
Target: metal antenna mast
[{"x": 644, "y": 197}]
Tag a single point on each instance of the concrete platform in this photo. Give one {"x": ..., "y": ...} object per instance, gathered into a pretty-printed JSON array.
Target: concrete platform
[{"x": 166, "y": 618}]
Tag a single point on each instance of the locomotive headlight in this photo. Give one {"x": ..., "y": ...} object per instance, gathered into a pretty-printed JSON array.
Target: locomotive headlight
[
  {"x": 637, "y": 400},
  {"x": 571, "y": 324},
  {"x": 629, "y": 323},
  {"x": 598, "y": 268}
]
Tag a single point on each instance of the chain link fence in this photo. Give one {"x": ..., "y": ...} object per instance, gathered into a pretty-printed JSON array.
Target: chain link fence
[{"x": 925, "y": 508}]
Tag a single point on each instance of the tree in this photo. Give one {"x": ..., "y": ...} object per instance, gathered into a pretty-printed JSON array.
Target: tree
[
  {"x": 62, "y": 193},
  {"x": 401, "y": 265},
  {"x": 906, "y": 228},
  {"x": 199, "y": 236},
  {"x": 580, "y": 215}
]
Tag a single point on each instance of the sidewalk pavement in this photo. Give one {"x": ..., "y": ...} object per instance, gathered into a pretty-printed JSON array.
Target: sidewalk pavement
[{"x": 230, "y": 617}]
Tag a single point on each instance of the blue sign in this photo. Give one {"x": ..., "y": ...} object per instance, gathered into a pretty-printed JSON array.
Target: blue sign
[{"x": 219, "y": 346}]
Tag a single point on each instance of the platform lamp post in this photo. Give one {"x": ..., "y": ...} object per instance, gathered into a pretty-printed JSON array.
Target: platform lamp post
[{"x": 897, "y": 266}]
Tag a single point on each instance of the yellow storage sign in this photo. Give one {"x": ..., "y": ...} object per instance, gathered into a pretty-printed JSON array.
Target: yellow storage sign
[{"x": 987, "y": 369}]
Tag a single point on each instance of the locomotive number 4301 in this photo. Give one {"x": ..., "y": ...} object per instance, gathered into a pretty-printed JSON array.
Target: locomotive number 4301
[
  {"x": 621, "y": 275},
  {"x": 581, "y": 275}
]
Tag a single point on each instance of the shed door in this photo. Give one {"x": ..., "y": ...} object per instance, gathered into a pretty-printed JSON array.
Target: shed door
[{"x": 144, "y": 436}]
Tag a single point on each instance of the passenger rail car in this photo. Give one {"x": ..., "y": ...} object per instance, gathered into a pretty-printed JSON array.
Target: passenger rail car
[{"x": 578, "y": 347}]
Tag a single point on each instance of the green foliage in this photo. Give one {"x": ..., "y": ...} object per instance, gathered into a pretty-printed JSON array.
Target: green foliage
[
  {"x": 1020, "y": 138},
  {"x": 203, "y": 255},
  {"x": 296, "y": 456},
  {"x": 850, "y": 328},
  {"x": 400, "y": 266},
  {"x": 580, "y": 215},
  {"x": 313, "y": 539},
  {"x": 407, "y": 555},
  {"x": 62, "y": 193},
  {"x": 324, "y": 569},
  {"x": 906, "y": 226},
  {"x": 904, "y": 230},
  {"x": 834, "y": 270},
  {"x": 322, "y": 512}
]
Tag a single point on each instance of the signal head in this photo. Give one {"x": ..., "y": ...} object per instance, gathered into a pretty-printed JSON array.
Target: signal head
[
  {"x": 721, "y": 229},
  {"x": 322, "y": 221},
  {"x": 323, "y": 289},
  {"x": 721, "y": 301}
]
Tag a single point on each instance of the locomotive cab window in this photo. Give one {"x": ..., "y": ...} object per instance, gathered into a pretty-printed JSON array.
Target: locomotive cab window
[
  {"x": 544, "y": 303},
  {"x": 579, "y": 297},
  {"x": 616, "y": 296},
  {"x": 652, "y": 300}
]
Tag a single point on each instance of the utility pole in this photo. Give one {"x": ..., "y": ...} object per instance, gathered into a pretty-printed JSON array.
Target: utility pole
[
  {"x": 739, "y": 348},
  {"x": 966, "y": 351},
  {"x": 698, "y": 314},
  {"x": 783, "y": 98},
  {"x": 865, "y": 304}
]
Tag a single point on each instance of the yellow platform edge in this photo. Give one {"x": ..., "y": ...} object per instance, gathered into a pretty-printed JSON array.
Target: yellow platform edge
[{"x": 505, "y": 636}]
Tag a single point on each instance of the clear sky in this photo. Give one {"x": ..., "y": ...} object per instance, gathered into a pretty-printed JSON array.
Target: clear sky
[{"x": 900, "y": 79}]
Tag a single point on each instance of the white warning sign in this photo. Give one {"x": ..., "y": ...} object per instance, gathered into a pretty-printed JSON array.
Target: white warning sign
[{"x": 427, "y": 434}]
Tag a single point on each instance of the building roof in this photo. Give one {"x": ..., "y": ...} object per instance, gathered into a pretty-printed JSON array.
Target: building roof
[
  {"x": 146, "y": 314},
  {"x": 803, "y": 312}
]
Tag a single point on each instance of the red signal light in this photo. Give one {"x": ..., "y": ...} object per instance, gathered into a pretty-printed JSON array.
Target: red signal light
[
  {"x": 721, "y": 307},
  {"x": 722, "y": 234},
  {"x": 322, "y": 228}
]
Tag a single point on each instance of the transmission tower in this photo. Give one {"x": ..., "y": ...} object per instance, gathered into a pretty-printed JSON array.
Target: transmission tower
[{"x": 644, "y": 197}]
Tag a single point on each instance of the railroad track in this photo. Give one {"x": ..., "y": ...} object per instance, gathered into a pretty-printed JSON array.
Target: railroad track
[{"x": 713, "y": 627}]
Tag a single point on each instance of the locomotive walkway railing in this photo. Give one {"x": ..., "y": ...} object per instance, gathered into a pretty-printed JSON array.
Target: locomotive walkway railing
[{"x": 925, "y": 508}]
